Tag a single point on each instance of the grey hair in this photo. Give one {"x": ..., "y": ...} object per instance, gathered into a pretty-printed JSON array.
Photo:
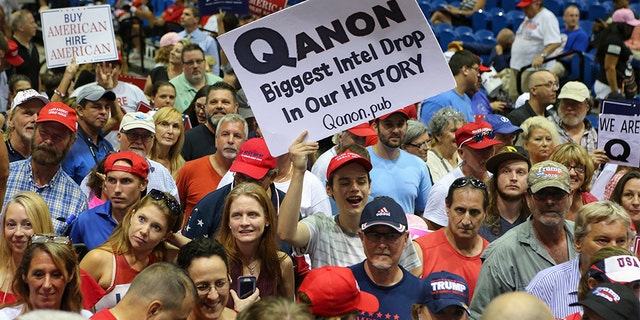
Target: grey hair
[
  {"x": 442, "y": 118},
  {"x": 415, "y": 129},
  {"x": 233, "y": 117}
]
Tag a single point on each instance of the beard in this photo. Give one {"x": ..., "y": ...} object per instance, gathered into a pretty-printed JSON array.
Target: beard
[
  {"x": 509, "y": 197},
  {"x": 46, "y": 156}
]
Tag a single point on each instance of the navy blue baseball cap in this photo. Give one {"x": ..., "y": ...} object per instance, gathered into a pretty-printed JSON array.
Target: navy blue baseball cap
[
  {"x": 501, "y": 124},
  {"x": 383, "y": 211},
  {"x": 443, "y": 289}
]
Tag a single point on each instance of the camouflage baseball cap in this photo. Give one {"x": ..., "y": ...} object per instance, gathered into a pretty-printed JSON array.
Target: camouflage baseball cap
[{"x": 549, "y": 174}]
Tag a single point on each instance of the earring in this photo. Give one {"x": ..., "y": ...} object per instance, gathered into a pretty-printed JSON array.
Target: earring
[{"x": 266, "y": 225}]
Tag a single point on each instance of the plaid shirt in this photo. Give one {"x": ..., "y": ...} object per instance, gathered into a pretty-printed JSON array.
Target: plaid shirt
[
  {"x": 62, "y": 195},
  {"x": 589, "y": 139}
]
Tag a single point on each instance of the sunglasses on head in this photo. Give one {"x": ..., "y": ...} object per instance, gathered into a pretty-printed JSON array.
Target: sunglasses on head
[
  {"x": 478, "y": 137},
  {"x": 172, "y": 204},
  {"x": 49, "y": 238},
  {"x": 461, "y": 182}
]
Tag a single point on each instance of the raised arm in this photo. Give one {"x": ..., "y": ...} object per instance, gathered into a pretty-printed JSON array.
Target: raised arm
[{"x": 289, "y": 229}]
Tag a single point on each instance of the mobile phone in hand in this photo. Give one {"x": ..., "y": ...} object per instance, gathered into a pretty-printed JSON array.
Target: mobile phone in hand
[{"x": 246, "y": 286}]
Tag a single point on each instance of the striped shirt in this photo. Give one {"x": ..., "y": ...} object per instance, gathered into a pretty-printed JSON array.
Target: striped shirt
[
  {"x": 62, "y": 195},
  {"x": 557, "y": 286}
]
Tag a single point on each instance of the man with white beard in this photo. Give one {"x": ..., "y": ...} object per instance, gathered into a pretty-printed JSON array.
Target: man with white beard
[{"x": 200, "y": 176}]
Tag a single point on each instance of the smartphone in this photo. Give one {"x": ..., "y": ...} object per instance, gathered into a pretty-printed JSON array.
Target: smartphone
[{"x": 246, "y": 286}]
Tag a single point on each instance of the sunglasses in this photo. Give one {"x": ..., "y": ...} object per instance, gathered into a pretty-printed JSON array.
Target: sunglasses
[
  {"x": 478, "y": 137},
  {"x": 172, "y": 204},
  {"x": 49, "y": 238},
  {"x": 461, "y": 182}
]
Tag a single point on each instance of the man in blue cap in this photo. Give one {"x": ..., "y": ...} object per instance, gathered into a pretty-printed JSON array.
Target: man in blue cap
[
  {"x": 505, "y": 131},
  {"x": 446, "y": 296}
]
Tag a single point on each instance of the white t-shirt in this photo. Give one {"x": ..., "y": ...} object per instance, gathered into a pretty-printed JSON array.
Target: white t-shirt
[
  {"x": 532, "y": 36},
  {"x": 321, "y": 165},
  {"x": 10, "y": 313}
]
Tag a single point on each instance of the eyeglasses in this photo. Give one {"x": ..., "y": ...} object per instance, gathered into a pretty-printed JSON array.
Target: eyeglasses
[
  {"x": 544, "y": 196},
  {"x": 193, "y": 62},
  {"x": 461, "y": 182},
  {"x": 205, "y": 287},
  {"x": 172, "y": 204},
  {"x": 420, "y": 145},
  {"x": 132, "y": 136},
  {"x": 376, "y": 237},
  {"x": 579, "y": 169},
  {"x": 478, "y": 137},
  {"x": 199, "y": 106},
  {"x": 549, "y": 85},
  {"x": 49, "y": 238}
]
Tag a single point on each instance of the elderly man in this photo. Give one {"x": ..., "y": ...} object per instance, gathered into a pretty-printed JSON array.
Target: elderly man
[
  {"x": 397, "y": 173},
  {"x": 200, "y": 141},
  {"x": 193, "y": 76},
  {"x": 459, "y": 241},
  {"x": 200, "y": 176},
  {"x": 543, "y": 241},
  {"x": 93, "y": 108},
  {"x": 22, "y": 122},
  {"x": 507, "y": 206},
  {"x": 475, "y": 146},
  {"x": 55, "y": 133},
  {"x": 543, "y": 86},
  {"x": 537, "y": 37},
  {"x": 137, "y": 133},
  {"x": 384, "y": 234},
  {"x": 124, "y": 183},
  {"x": 160, "y": 291},
  {"x": 598, "y": 225},
  {"x": 573, "y": 106}
]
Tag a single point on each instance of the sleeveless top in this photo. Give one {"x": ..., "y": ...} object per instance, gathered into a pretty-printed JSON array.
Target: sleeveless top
[
  {"x": 264, "y": 282},
  {"x": 123, "y": 275}
]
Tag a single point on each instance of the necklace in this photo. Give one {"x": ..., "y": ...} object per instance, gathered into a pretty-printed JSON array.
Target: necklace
[
  {"x": 286, "y": 176},
  {"x": 252, "y": 269}
]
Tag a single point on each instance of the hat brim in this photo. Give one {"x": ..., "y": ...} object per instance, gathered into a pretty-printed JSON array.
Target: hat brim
[
  {"x": 549, "y": 184},
  {"x": 31, "y": 101},
  {"x": 250, "y": 170},
  {"x": 436, "y": 306},
  {"x": 361, "y": 161},
  {"x": 572, "y": 96},
  {"x": 368, "y": 302},
  {"x": 624, "y": 276},
  {"x": 363, "y": 132},
  {"x": 508, "y": 129},
  {"x": 524, "y": 3},
  {"x": 396, "y": 226},
  {"x": 485, "y": 143},
  {"x": 494, "y": 162},
  {"x": 15, "y": 61},
  {"x": 600, "y": 309},
  {"x": 68, "y": 126}
]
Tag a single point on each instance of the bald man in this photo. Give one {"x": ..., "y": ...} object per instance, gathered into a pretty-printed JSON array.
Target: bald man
[{"x": 517, "y": 305}]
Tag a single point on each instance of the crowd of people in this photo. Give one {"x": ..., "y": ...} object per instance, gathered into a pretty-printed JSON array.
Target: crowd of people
[{"x": 164, "y": 202}]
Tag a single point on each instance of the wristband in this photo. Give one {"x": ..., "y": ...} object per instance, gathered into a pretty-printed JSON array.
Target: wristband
[{"x": 62, "y": 95}]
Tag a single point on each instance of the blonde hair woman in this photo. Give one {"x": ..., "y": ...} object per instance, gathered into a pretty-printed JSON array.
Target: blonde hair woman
[
  {"x": 25, "y": 214},
  {"x": 539, "y": 137},
  {"x": 169, "y": 139}
]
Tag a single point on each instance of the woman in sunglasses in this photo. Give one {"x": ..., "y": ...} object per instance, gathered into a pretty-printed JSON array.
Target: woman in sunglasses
[
  {"x": 248, "y": 234},
  {"x": 539, "y": 137},
  {"x": 48, "y": 277},
  {"x": 25, "y": 214},
  {"x": 577, "y": 160},
  {"x": 137, "y": 242}
]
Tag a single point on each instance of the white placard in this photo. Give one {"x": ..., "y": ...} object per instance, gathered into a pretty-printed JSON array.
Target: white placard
[
  {"x": 618, "y": 130},
  {"x": 84, "y": 32},
  {"x": 328, "y": 65}
]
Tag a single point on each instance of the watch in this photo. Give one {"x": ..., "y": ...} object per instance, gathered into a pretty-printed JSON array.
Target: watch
[{"x": 543, "y": 55}]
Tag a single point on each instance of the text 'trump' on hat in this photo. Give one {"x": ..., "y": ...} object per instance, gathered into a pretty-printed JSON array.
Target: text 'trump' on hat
[
  {"x": 549, "y": 174},
  {"x": 254, "y": 159},
  {"x": 333, "y": 291},
  {"x": 139, "y": 165},
  {"x": 25, "y": 96},
  {"x": 443, "y": 289},
  {"x": 383, "y": 211},
  {"x": 60, "y": 113},
  {"x": 137, "y": 120},
  {"x": 345, "y": 158},
  {"x": 612, "y": 301}
]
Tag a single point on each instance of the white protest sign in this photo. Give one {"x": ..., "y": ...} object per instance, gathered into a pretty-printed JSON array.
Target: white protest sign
[
  {"x": 84, "y": 32},
  {"x": 329, "y": 65},
  {"x": 618, "y": 130}
]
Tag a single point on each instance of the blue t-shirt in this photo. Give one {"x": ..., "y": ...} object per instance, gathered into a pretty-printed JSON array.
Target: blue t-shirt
[
  {"x": 94, "y": 226},
  {"x": 406, "y": 179},
  {"x": 396, "y": 300},
  {"x": 448, "y": 98}
]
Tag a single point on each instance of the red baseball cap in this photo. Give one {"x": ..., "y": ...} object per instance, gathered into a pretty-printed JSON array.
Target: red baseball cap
[
  {"x": 12, "y": 55},
  {"x": 254, "y": 159},
  {"x": 139, "y": 165},
  {"x": 347, "y": 157},
  {"x": 525, "y": 3},
  {"x": 60, "y": 113},
  {"x": 334, "y": 291},
  {"x": 402, "y": 111},
  {"x": 476, "y": 135},
  {"x": 363, "y": 130}
]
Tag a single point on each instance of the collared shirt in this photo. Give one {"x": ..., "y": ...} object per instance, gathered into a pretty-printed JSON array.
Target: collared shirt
[
  {"x": 62, "y": 195},
  {"x": 518, "y": 116},
  {"x": 84, "y": 155},
  {"x": 94, "y": 226},
  {"x": 185, "y": 91},
  {"x": 511, "y": 262},
  {"x": 14, "y": 155},
  {"x": 589, "y": 139},
  {"x": 557, "y": 286},
  {"x": 208, "y": 44}
]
